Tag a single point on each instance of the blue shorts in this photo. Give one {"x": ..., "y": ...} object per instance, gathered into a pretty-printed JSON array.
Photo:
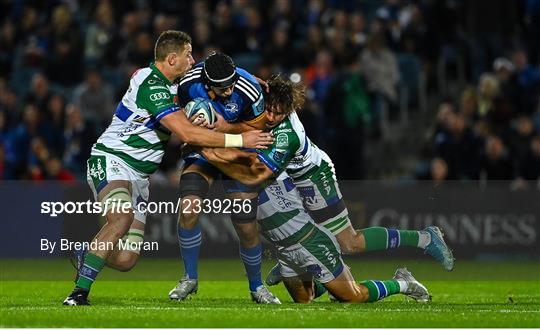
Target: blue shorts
[{"x": 229, "y": 185}]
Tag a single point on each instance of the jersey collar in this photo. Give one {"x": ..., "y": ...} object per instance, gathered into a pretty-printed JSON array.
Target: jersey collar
[{"x": 159, "y": 74}]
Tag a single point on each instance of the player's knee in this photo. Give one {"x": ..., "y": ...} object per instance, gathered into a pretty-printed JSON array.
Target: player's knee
[
  {"x": 125, "y": 261},
  {"x": 350, "y": 246},
  {"x": 129, "y": 249},
  {"x": 350, "y": 241},
  {"x": 248, "y": 234},
  {"x": 362, "y": 294},
  {"x": 188, "y": 218},
  {"x": 193, "y": 184},
  {"x": 247, "y": 213},
  {"x": 245, "y": 223},
  {"x": 304, "y": 297}
]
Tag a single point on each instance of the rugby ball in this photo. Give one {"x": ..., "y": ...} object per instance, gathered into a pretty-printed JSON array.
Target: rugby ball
[{"x": 202, "y": 109}]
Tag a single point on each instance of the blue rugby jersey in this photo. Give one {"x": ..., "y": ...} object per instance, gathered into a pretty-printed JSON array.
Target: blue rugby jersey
[{"x": 246, "y": 104}]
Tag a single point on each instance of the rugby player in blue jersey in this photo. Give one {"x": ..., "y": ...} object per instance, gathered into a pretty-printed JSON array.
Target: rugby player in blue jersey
[{"x": 237, "y": 98}]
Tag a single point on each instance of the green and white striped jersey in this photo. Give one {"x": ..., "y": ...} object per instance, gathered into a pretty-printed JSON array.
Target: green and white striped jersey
[
  {"x": 281, "y": 215},
  {"x": 135, "y": 134},
  {"x": 293, "y": 151}
]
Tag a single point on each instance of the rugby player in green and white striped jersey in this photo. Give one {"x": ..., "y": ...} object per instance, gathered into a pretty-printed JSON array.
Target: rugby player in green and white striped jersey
[
  {"x": 313, "y": 173},
  {"x": 131, "y": 149},
  {"x": 309, "y": 254}
]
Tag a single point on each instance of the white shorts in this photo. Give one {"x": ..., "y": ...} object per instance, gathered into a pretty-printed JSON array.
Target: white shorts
[
  {"x": 318, "y": 256},
  {"x": 103, "y": 168}
]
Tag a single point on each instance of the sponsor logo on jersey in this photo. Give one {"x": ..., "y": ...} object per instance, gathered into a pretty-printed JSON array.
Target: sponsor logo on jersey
[
  {"x": 158, "y": 87},
  {"x": 139, "y": 119},
  {"x": 97, "y": 170},
  {"x": 308, "y": 195},
  {"x": 129, "y": 128},
  {"x": 279, "y": 155},
  {"x": 159, "y": 96},
  {"x": 231, "y": 107},
  {"x": 283, "y": 130},
  {"x": 278, "y": 197},
  {"x": 115, "y": 167},
  {"x": 329, "y": 255},
  {"x": 282, "y": 141},
  {"x": 306, "y": 191}
]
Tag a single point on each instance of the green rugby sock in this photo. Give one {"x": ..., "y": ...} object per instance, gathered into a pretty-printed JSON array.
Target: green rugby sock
[
  {"x": 380, "y": 238},
  {"x": 381, "y": 289},
  {"x": 89, "y": 271}
]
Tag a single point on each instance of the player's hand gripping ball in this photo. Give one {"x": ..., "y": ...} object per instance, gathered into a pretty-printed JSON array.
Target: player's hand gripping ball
[{"x": 200, "y": 111}]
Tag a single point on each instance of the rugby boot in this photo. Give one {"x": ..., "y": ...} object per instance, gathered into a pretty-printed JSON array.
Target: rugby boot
[
  {"x": 415, "y": 289},
  {"x": 264, "y": 296},
  {"x": 78, "y": 297},
  {"x": 184, "y": 288},
  {"x": 438, "y": 249}
]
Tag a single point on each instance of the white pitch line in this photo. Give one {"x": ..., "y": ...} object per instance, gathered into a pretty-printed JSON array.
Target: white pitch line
[{"x": 303, "y": 309}]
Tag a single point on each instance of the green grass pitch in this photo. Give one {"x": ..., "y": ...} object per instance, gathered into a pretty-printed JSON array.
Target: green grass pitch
[{"x": 475, "y": 294}]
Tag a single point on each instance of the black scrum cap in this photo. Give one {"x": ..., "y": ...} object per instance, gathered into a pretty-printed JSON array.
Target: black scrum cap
[{"x": 219, "y": 70}]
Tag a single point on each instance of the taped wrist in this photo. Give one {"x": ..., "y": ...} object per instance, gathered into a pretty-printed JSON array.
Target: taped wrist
[{"x": 233, "y": 141}]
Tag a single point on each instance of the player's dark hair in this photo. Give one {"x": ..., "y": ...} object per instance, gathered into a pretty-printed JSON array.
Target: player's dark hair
[
  {"x": 170, "y": 41},
  {"x": 288, "y": 95},
  {"x": 219, "y": 70}
]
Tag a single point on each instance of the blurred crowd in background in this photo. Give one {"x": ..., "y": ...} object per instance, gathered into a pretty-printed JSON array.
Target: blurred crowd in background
[{"x": 371, "y": 67}]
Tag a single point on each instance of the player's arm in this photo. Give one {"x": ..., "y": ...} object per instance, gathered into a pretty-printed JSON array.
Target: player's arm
[
  {"x": 178, "y": 124},
  {"x": 241, "y": 127},
  {"x": 259, "y": 166},
  {"x": 239, "y": 165},
  {"x": 164, "y": 110}
]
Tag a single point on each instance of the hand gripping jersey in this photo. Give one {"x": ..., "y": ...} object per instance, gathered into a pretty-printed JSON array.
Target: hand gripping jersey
[
  {"x": 135, "y": 135},
  {"x": 293, "y": 152},
  {"x": 245, "y": 104},
  {"x": 312, "y": 172}
]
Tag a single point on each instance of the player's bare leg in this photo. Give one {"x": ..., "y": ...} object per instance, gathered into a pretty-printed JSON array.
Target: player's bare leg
[
  {"x": 125, "y": 260},
  {"x": 351, "y": 241},
  {"x": 115, "y": 197},
  {"x": 300, "y": 289},
  {"x": 121, "y": 260},
  {"x": 378, "y": 238},
  {"x": 345, "y": 289}
]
